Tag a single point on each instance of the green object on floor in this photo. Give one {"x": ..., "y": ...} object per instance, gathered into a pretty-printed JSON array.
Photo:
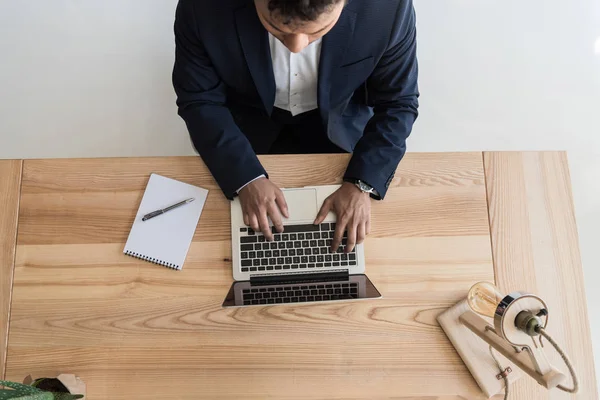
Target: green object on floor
[{"x": 19, "y": 391}]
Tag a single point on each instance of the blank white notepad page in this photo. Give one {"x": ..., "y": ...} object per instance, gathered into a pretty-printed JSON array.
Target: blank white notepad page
[{"x": 166, "y": 239}]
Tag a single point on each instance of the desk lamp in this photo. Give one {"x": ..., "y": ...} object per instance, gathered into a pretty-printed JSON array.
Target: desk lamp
[{"x": 514, "y": 326}]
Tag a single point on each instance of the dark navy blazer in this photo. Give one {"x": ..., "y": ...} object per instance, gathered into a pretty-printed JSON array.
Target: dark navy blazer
[{"x": 367, "y": 89}]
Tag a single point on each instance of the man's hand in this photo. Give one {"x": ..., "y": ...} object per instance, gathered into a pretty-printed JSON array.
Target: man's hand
[
  {"x": 353, "y": 210},
  {"x": 260, "y": 199}
]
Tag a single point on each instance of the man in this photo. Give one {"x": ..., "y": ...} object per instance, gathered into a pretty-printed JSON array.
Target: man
[{"x": 298, "y": 76}]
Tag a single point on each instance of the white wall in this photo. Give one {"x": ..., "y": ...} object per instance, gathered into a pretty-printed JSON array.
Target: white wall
[
  {"x": 92, "y": 78},
  {"x": 88, "y": 78}
]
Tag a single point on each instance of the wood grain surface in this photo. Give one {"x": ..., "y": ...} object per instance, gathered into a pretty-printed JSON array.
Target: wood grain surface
[
  {"x": 536, "y": 249},
  {"x": 10, "y": 183},
  {"x": 135, "y": 330}
]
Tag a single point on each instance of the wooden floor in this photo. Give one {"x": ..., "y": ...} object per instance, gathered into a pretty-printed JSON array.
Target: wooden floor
[{"x": 135, "y": 330}]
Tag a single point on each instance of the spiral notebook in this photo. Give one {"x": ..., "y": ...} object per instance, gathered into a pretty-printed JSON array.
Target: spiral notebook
[{"x": 166, "y": 239}]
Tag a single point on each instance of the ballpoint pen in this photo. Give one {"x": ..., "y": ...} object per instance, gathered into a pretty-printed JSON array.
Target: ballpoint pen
[{"x": 164, "y": 210}]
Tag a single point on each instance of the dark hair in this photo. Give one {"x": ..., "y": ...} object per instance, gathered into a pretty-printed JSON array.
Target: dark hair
[{"x": 303, "y": 10}]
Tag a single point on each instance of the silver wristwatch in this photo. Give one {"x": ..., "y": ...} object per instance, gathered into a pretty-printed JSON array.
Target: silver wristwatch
[{"x": 364, "y": 187}]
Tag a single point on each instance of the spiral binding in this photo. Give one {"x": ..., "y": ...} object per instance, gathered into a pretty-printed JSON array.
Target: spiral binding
[{"x": 152, "y": 260}]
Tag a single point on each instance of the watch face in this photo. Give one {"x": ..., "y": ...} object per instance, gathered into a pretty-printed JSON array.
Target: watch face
[{"x": 364, "y": 187}]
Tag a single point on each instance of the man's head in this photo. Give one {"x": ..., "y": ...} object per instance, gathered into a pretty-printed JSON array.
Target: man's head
[{"x": 297, "y": 23}]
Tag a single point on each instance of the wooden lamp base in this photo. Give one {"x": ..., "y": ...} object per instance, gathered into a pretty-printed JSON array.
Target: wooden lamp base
[{"x": 475, "y": 352}]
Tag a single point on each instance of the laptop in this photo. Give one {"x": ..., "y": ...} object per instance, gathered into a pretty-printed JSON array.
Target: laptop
[{"x": 298, "y": 265}]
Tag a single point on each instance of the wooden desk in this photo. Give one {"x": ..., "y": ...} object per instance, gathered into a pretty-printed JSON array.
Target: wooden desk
[
  {"x": 10, "y": 184},
  {"x": 133, "y": 330}
]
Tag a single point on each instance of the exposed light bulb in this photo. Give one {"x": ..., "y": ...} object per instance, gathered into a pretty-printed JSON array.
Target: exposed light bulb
[{"x": 483, "y": 298}]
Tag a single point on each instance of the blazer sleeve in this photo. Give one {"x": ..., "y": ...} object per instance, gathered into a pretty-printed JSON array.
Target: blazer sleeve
[
  {"x": 393, "y": 93},
  {"x": 201, "y": 101}
]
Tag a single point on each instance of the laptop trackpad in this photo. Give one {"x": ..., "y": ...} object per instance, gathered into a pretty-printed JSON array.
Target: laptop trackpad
[{"x": 302, "y": 204}]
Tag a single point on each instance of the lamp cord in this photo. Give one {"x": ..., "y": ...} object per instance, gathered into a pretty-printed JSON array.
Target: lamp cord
[
  {"x": 562, "y": 354},
  {"x": 565, "y": 358}
]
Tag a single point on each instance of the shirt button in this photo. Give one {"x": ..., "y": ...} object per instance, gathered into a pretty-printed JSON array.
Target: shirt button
[
  {"x": 295, "y": 74},
  {"x": 295, "y": 105}
]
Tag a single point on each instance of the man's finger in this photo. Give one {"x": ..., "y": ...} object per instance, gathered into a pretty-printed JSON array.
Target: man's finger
[
  {"x": 275, "y": 216},
  {"x": 263, "y": 221},
  {"x": 351, "y": 241},
  {"x": 368, "y": 226},
  {"x": 253, "y": 222},
  {"x": 340, "y": 228},
  {"x": 325, "y": 208},
  {"x": 246, "y": 220},
  {"x": 361, "y": 233},
  {"x": 282, "y": 204}
]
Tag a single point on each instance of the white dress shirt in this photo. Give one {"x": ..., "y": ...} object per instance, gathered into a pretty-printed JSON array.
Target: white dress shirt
[
  {"x": 296, "y": 76},
  {"x": 296, "y": 79}
]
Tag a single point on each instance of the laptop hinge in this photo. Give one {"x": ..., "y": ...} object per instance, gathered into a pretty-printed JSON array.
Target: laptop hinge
[{"x": 300, "y": 278}]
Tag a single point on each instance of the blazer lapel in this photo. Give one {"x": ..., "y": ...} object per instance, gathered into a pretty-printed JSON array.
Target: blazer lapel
[
  {"x": 255, "y": 44},
  {"x": 333, "y": 49}
]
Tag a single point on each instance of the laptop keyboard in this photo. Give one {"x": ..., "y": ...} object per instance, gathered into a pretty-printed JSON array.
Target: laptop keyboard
[
  {"x": 299, "y": 247},
  {"x": 300, "y": 293}
]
